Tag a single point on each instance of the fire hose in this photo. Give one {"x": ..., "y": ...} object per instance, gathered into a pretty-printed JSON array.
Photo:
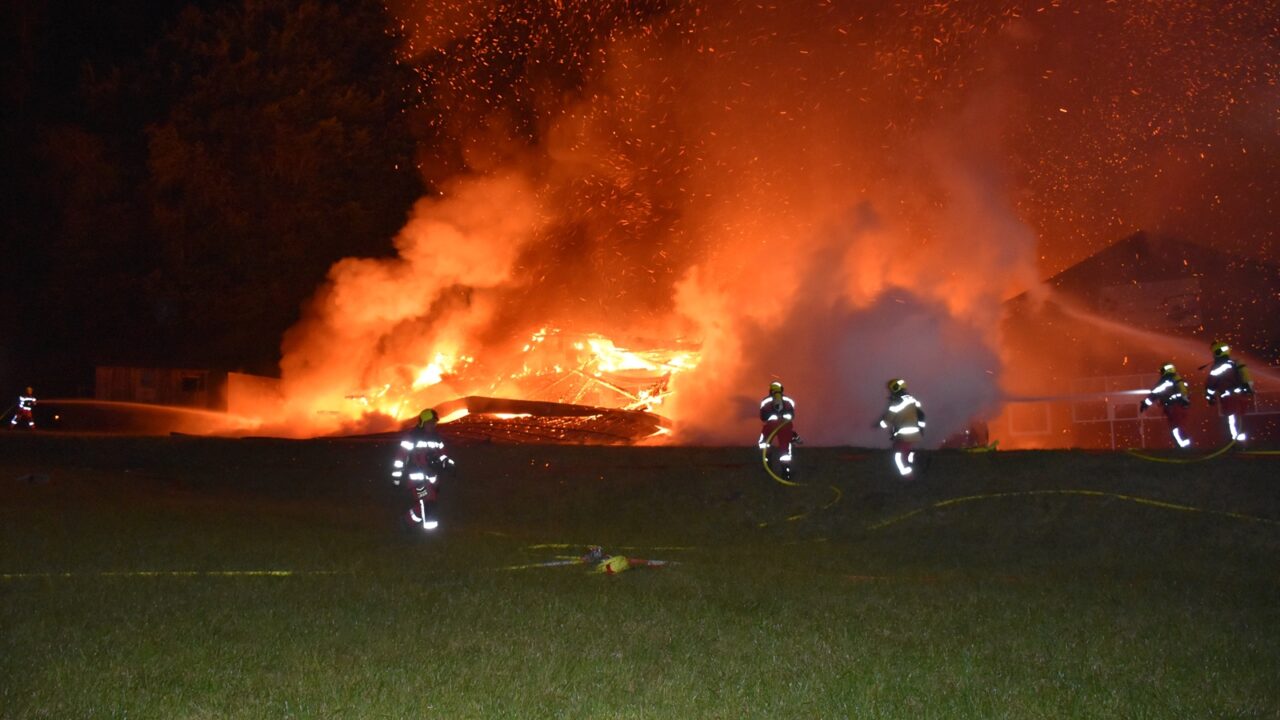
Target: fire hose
[
  {"x": 1088, "y": 493},
  {"x": 1182, "y": 461},
  {"x": 764, "y": 456},
  {"x": 764, "y": 459}
]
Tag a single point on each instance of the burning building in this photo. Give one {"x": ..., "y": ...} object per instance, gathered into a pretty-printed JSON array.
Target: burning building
[
  {"x": 830, "y": 193},
  {"x": 568, "y": 388}
]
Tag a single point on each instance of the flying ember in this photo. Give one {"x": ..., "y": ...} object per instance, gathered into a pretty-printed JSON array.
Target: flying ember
[{"x": 657, "y": 207}]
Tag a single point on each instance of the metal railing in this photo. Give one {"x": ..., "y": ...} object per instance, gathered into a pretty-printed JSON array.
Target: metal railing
[{"x": 1116, "y": 401}]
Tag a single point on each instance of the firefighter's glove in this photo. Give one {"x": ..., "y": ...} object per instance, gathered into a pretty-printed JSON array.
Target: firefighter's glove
[
  {"x": 1146, "y": 403},
  {"x": 762, "y": 444},
  {"x": 795, "y": 439}
]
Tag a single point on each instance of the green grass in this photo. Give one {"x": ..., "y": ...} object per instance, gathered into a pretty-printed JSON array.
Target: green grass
[{"x": 1041, "y": 606}]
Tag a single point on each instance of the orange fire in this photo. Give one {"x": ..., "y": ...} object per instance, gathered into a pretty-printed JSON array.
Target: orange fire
[
  {"x": 484, "y": 304},
  {"x": 825, "y": 195},
  {"x": 554, "y": 366}
]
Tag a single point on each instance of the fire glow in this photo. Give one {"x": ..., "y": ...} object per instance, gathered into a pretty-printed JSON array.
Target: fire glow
[
  {"x": 589, "y": 370},
  {"x": 661, "y": 207}
]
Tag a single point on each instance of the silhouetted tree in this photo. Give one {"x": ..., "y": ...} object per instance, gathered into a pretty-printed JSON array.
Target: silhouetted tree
[
  {"x": 284, "y": 148},
  {"x": 71, "y": 235}
]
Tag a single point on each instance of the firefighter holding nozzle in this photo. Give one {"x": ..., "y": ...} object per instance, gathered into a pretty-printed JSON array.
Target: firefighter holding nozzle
[
  {"x": 419, "y": 461},
  {"x": 778, "y": 412},
  {"x": 904, "y": 419},
  {"x": 1174, "y": 398},
  {"x": 1229, "y": 382},
  {"x": 24, "y": 411}
]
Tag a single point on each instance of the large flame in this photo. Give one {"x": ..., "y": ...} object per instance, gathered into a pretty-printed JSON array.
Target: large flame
[{"x": 665, "y": 206}]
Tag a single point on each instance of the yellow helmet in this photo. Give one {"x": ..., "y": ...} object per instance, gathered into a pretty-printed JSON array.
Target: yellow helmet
[
  {"x": 1220, "y": 349},
  {"x": 775, "y": 388},
  {"x": 897, "y": 385},
  {"x": 1168, "y": 369},
  {"x": 30, "y": 390},
  {"x": 427, "y": 416},
  {"x": 614, "y": 565}
]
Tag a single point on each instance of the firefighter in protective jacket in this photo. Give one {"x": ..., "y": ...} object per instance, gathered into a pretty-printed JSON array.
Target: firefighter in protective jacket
[
  {"x": 24, "y": 412},
  {"x": 1229, "y": 382},
  {"x": 419, "y": 460},
  {"x": 778, "y": 413},
  {"x": 1174, "y": 398},
  {"x": 904, "y": 418}
]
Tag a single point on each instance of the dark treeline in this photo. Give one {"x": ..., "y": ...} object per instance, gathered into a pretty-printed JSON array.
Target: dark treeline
[{"x": 179, "y": 178}]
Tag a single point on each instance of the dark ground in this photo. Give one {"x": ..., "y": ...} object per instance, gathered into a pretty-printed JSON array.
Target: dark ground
[{"x": 1019, "y": 584}]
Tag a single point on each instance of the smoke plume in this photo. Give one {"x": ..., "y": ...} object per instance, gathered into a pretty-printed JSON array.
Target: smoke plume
[{"x": 814, "y": 191}]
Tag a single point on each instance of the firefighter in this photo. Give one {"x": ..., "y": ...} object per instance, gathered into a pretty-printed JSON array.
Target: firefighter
[
  {"x": 24, "y": 413},
  {"x": 419, "y": 460},
  {"x": 778, "y": 412},
  {"x": 904, "y": 418},
  {"x": 1229, "y": 381},
  {"x": 1174, "y": 398}
]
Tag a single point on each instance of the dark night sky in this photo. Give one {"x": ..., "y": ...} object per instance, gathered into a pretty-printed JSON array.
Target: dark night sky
[{"x": 168, "y": 198}]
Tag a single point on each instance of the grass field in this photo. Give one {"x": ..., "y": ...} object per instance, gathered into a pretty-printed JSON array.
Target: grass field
[{"x": 120, "y": 598}]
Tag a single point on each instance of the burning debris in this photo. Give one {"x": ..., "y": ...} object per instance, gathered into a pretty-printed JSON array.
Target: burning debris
[
  {"x": 591, "y": 369},
  {"x": 579, "y": 388},
  {"x": 482, "y": 419}
]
